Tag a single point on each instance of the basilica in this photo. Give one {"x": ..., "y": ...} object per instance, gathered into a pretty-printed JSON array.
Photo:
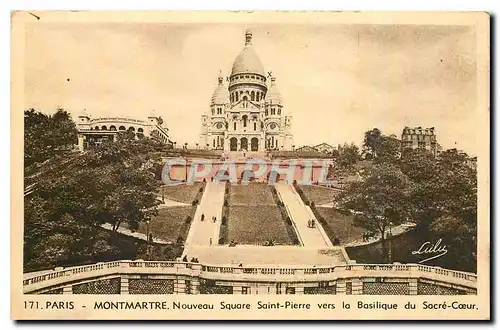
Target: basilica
[{"x": 247, "y": 115}]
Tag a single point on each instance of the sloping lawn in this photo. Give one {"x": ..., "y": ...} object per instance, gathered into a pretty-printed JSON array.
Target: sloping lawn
[
  {"x": 251, "y": 194},
  {"x": 341, "y": 225},
  {"x": 319, "y": 195},
  {"x": 183, "y": 193},
  {"x": 169, "y": 224},
  {"x": 256, "y": 225}
]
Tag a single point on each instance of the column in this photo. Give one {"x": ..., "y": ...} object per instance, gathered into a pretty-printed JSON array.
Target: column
[
  {"x": 340, "y": 287},
  {"x": 123, "y": 285},
  {"x": 68, "y": 289},
  {"x": 81, "y": 138},
  {"x": 357, "y": 286},
  {"x": 413, "y": 286},
  {"x": 195, "y": 285},
  {"x": 179, "y": 286}
]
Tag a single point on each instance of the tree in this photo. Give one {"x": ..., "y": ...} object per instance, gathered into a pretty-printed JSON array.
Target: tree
[
  {"x": 380, "y": 199},
  {"x": 380, "y": 147},
  {"x": 46, "y": 136},
  {"x": 348, "y": 156},
  {"x": 112, "y": 183}
]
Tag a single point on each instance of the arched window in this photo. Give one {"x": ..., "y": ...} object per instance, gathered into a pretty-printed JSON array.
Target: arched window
[
  {"x": 97, "y": 128},
  {"x": 236, "y": 94},
  {"x": 213, "y": 112},
  {"x": 140, "y": 130},
  {"x": 131, "y": 128},
  {"x": 213, "y": 143},
  {"x": 245, "y": 120},
  {"x": 254, "y": 126},
  {"x": 279, "y": 111},
  {"x": 112, "y": 128},
  {"x": 252, "y": 96},
  {"x": 121, "y": 128},
  {"x": 234, "y": 126},
  {"x": 267, "y": 112},
  {"x": 104, "y": 128}
]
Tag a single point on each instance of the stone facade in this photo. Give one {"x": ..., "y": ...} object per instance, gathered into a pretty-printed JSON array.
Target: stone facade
[
  {"x": 247, "y": 115},
  {"x": 418, "y": 137}
]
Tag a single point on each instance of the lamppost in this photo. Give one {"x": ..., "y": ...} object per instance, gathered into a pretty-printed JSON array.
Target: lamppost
[
  {"x": 163, "y": 194},
  {"x": 147, "y": 238},
  {"x": 390, "y": 242}
]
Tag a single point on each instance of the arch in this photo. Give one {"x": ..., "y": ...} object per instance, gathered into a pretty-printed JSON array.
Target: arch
[
  {"x": 234, "y": 125},
  {"x": 257, "y": 96},
  {"x": 244, "y": 143},
  {"x": 273, "y": 177},
  {"x": 254, "y": 144},
  {"x": 233, "y": 144},
  {"x": 222, "y": 176},
  {"x": 245, "y": 98},
  {"x": 112, "y": 128},
  {"x": 104, "y": 128},
  {"x": 236, "y": 94},
  {"x": 121, "y": 128},
  {"x": 252, "y": 96},
  {"x": 254, "y": 126},
  {"x": 245, "y": 119},
  {"x": 97, "y": 128},
  {"x": 140, "y": 130},
  {"x": 247, "y": 176},
  {"x": 131, "y": 128}
]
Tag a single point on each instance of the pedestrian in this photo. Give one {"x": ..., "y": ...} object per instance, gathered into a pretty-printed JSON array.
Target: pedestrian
[
  {"x": 185, "y": 259},
  {"x": 215, "y": 219},
  {"x": 202, "y": 217},
  {"x": 210, "y": 240}
]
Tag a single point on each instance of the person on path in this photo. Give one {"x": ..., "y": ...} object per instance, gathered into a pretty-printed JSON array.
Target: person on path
[
  {"x": 202, "y": 217},
  {"x": 210, "y": 240}
]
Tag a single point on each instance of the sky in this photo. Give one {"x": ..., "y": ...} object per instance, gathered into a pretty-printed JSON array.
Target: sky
[{"x": 337, "y": 81}]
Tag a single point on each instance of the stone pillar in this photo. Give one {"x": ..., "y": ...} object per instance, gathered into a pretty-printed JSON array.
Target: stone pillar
[
  {"x": 413, "y": 286},
  {"x": 179, "y": 286},
  {"x": 81, "y": 138},
  {"x": 340, "y": 287},
  {"x": 68, "y": 289},
  {"x": 195, "y": 286},
  {"x": 357, "y": 286},
  {"x": 123, "y": 285}
]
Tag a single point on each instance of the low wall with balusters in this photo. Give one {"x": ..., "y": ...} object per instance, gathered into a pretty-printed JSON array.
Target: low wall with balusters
[{"x": 155, "y": 277}]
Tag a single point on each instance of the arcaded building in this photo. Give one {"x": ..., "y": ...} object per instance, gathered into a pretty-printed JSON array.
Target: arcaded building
[
  {"x": 94, "y": 131},
  {"x": 246, "y": 115}
]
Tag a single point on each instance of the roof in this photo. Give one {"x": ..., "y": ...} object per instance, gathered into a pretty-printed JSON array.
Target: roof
[
  {"x": 220, "y": 95},
  {"x": 273, "y": 92}
]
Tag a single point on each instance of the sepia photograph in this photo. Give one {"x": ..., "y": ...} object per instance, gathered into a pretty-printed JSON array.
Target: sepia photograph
[{"x": 164, "y": 155}]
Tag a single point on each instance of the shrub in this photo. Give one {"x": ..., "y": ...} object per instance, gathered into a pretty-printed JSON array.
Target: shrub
[
  {"x": 201, "y": 188},
  {"x": 336, "y": 241},
  {"x": 221, "y": 240},
  {"x": 312, "y": 204},
  {"x": 306, "y": 202},
  {"x": 195, "y": 202},
  {"x": 226, "y": 203},
  {"x": 224, "y": 219},
  {"x": 188, "y": 219}
]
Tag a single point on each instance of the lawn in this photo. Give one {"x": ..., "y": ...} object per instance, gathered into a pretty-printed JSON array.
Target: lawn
[
  {"x": 256, "y": 225},
  {"x": 319, "y": 195},
  {"x": 169, "y": 224},
  {"x": 251, "y": 194},
  {"x": 341, "y": 225},
  {"x": 182, "y": 193}
]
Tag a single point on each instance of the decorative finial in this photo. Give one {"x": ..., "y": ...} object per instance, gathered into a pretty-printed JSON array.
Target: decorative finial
[
  {"x": 220, "y": 78},
  {"x": 248, "y": 38}
]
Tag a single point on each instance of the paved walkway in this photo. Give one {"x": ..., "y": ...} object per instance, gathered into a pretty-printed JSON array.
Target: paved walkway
[
  {"x": 135, "y": 234},
  {"x": 251, "y": 255},
  {"x": 211, "y": 204},
  {"x": 395, "y": 231},
  {"x": 170, "y": 203},
  {"x": 300, "y": 215}
]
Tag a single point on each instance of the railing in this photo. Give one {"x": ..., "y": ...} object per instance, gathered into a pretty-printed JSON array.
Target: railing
[{"x": 73, "y": 274}]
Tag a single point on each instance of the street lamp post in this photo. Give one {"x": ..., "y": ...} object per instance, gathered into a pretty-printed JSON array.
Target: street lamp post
[
  {"x": 147, "y": 238},
  {"x": 390, "y": 242}
]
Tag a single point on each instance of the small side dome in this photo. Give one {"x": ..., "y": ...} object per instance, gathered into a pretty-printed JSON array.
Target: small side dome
[
  {"x": 220, "y": 95},
  {"x": 273, "y": 95}
]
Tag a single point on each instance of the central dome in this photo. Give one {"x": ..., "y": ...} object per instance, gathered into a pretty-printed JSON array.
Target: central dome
[{"x": 248, "y": 61}]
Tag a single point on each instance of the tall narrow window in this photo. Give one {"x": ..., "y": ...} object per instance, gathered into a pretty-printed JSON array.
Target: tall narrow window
[
  {"x": 254, "y": 126},
  {"x": 213, "y": 142},
  {"x": 245, "y": 121},
  {"x": 252, "y": 96},
  {"x": 235, "y": 126}
]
